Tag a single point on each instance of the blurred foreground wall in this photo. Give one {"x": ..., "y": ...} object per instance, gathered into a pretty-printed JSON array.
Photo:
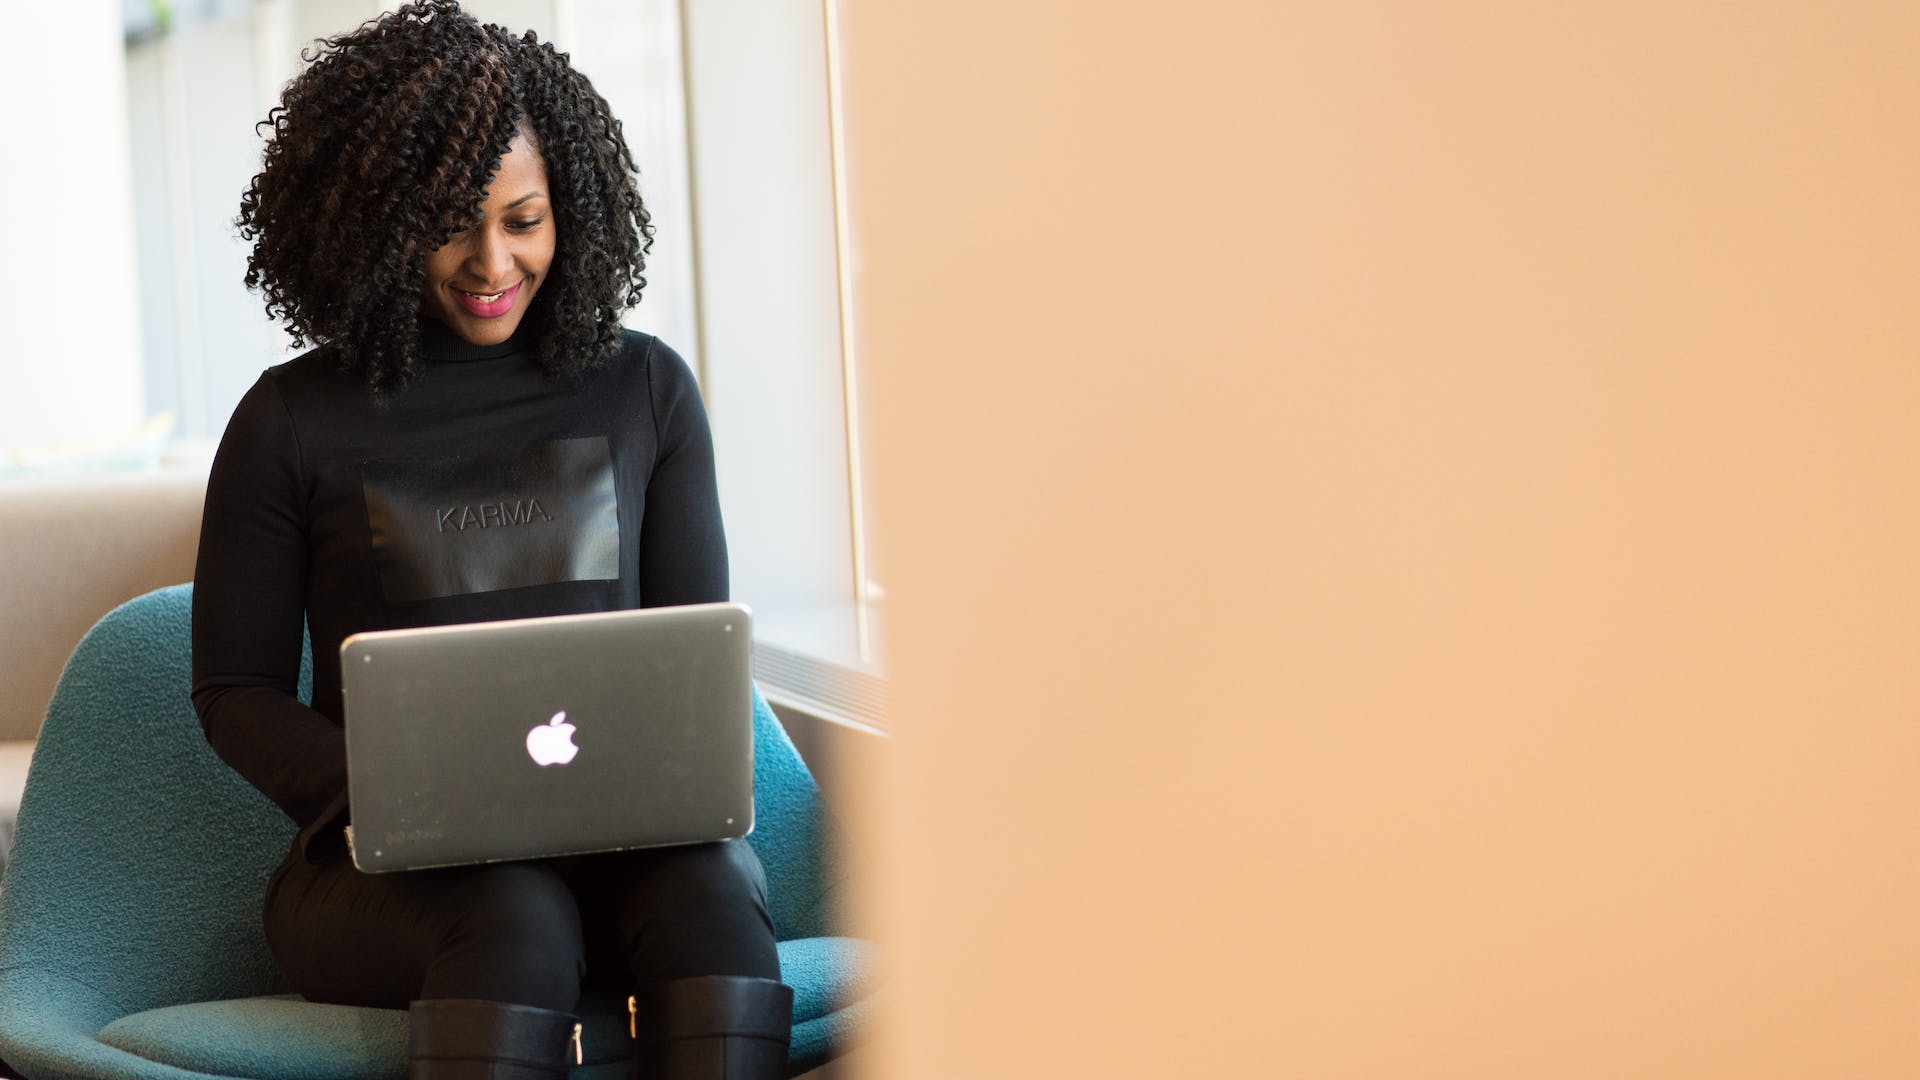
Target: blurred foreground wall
[{"x": 1404, "y": 526}]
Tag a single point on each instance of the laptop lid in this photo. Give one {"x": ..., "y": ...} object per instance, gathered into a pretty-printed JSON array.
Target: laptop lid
[{"x": 531, "y": 738}]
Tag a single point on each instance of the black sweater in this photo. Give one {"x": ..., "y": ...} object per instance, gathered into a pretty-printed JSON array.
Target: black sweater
[{"x": 484, "y": 491}]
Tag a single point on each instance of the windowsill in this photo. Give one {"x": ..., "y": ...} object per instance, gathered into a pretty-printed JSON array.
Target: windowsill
[
  {"x": 128, "y": 456},
  {"x": 808, "y": 658},
  {"x": 164, "y": 473}
]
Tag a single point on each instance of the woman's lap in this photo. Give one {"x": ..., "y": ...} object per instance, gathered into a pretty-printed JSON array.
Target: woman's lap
[{"x": 528, "y": 933}]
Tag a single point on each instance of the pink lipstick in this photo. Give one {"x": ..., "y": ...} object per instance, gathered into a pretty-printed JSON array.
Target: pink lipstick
[{"x": 488, "y": 305}]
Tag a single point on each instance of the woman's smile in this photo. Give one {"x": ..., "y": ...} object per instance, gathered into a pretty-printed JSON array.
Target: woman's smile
[{"x": 488, "y": 305}]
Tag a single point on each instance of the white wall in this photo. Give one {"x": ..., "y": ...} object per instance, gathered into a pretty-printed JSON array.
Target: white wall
[{"x": 70, "y": 360}]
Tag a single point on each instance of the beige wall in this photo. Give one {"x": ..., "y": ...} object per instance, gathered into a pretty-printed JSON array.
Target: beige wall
[{"x": 1403, "y": 523}]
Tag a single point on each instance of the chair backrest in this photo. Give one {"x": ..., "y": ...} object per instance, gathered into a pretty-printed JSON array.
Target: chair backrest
[
  {"x": 141, "y": 858},
  {"x": 793, "y": 834}
]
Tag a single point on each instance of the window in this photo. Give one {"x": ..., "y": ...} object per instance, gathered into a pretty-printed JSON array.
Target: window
[{"x": 778, "y": 363}]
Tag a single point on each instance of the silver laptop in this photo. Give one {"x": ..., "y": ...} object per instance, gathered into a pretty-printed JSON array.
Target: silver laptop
[{"x": 532, "y": 738}]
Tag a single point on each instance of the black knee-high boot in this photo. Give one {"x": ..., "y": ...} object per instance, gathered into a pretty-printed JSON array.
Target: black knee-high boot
[
  {"x": 715, "y": 1027},
  {"x": 458, "y": 1039}
]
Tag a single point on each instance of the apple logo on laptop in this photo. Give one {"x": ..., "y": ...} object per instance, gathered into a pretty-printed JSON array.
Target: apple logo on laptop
[{"x": 551, "y": 743}]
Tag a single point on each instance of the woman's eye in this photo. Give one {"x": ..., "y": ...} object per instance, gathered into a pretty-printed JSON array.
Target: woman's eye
[{"x": 523, "y": 226}]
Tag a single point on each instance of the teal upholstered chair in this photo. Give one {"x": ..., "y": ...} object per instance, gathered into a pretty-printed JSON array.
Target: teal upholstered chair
[{"x": 130, "y": 939}]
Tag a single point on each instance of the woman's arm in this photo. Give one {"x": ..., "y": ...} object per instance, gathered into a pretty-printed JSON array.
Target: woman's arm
[
  {"x": 683, "y": 546},
  {"x": 249, "y": 608}
]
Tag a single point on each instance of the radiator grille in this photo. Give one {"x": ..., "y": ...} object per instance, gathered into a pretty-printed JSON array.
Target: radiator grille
[{"x": 831, "y": 690}]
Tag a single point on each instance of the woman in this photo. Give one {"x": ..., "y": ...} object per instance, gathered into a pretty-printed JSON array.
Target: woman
[{"x": 449, "y": 213}]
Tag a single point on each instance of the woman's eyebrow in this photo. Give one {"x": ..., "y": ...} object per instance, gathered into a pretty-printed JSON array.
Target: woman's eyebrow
[{"x": 524, "y": 198}]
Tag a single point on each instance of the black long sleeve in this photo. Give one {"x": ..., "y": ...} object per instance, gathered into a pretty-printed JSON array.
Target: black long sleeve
[
  {"x": 683, "y": 552},
  {"x": 485, "y": 491},
  {"x": 249, "y": 607}
]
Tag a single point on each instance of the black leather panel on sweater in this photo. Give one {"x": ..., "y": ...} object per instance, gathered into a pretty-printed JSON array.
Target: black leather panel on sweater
[{"x": 540, "y": 515}]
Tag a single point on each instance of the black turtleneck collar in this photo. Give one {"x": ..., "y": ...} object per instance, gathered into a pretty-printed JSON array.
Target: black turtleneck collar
[{"x": 440, "y": 345}]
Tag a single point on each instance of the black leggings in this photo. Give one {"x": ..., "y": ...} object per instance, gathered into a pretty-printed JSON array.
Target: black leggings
[{"x": 527, "y": 933}]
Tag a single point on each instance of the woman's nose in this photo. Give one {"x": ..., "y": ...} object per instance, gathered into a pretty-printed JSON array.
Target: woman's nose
[{"x": 492, "y": 258}]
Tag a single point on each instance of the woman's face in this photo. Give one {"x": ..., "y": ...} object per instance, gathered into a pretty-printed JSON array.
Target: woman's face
[{"x": 481, "y": 283}]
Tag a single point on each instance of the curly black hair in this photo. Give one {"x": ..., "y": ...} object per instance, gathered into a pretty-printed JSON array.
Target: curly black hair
[{"x": 382, "y": 149}]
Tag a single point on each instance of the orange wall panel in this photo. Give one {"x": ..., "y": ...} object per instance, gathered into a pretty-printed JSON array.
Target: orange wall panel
[{"x": 1401, "y": 530}]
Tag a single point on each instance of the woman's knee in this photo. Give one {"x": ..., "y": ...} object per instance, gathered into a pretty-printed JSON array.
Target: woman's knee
[
  {"x": 515, "y": 906},
  {"x": 699, "y": 910},
  {"x": 713, "y": 891},
  {"x": 508, "y": 932},
  {"x": 709, "y": 873},
  {"x": 513, "y": 934}
]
